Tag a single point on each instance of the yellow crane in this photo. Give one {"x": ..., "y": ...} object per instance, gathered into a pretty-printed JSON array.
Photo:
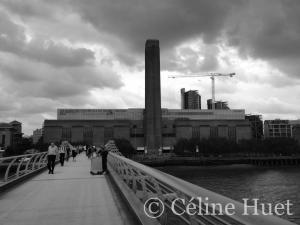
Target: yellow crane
[{"x": 212, "y": 77}]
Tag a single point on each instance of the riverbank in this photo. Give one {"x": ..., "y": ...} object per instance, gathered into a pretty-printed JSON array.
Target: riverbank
[{"x": 216, "y": 161}]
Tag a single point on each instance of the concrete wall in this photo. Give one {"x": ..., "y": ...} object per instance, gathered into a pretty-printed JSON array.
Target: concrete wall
[
  {"x": 223, "y": 131},
  {"x": 77, "y": 134},
  {"x": 134, "y": 130},
  {"x": 52, "y": 134},
  {"x": 169, "y": 141},
  {"x": 204, "y": 132},
  {"x": 121, "y": 132},
  {"x": 184, "y": 132},
  {"x": 98, "y": 137},
  {"x": 137, "y": 141},
  {"x": 243, "y": 132},
  {"x": 7, "y": 137}
]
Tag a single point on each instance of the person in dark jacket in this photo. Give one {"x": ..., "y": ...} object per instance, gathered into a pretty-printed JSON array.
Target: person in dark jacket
[
  {"x": 68, "y": 152},
  {"x": 104, "y": 153},
  {"x": 74, "y": 153},
  {"x": 62, "y": 152}
]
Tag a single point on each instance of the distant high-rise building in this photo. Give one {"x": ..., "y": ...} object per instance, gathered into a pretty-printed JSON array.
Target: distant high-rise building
[
  {"x": 37, "y": 134},
  {"x": 190, "y": 99},
  {"x": 277, "y": 128},
  {"x": 256, "y": 124},
  {"x": 218, "y": 104}
]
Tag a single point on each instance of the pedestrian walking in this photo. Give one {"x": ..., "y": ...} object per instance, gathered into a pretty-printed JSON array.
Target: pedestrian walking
[
  {"x": 68, "y": 153},
  {"x": 89, "y": 152},
  {"x": 94, "y": 151},
  {"x": 51, "y": 155},
  {"x": 62, "y": 153},
  {"x": 74, "y": 153}
]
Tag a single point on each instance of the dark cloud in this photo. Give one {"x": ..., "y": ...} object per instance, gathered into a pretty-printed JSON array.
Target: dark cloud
[
  {"x": 13, "y": 39},
  {"x": 170, "y": 21},
  {"x": 45, "y": 61},
  {"x": 32, "y": 8},
  {"x": 269, "y": 30},
  {"x": 131, "y": 22},
  {"x": 27, "y": 78},
  {"x": 266, "y": 29}
]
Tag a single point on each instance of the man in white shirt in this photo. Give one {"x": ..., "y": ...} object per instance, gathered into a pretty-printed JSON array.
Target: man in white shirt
[
  {"x": 52, "y": 152},
  {"x": 62, "y": 152}
]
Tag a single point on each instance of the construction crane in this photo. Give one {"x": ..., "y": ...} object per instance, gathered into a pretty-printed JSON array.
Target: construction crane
[{"x": 212, "y": 77}]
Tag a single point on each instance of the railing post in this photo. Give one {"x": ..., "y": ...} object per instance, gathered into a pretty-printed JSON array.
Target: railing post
[
  {"x": 19, "y": 166},
  {"x": 144, "y": 187},
  {"x": 42, "y": 159},
  {"x": 8, "y": 168},
  {"x": 34, "y": 161},
  {"x": 125, "y": 173},
  {"x": 27, "y": 164},
  {"x": 133, "y": 178}
]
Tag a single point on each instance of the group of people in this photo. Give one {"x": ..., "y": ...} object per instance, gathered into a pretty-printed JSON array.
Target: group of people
[
  {"x": 65, "y": 151},
  {"x": 92, "y": 151}
]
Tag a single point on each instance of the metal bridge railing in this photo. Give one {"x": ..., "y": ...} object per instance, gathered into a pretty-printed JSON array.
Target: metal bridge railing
[
  {"x": 15, "y": 167},
  {"x": 139, "y": 183}
]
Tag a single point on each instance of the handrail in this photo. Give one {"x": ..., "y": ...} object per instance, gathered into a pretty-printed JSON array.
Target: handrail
[
  {"x": 25, "y": 155},
  {"x": 143, "y": 182},
  {"x": 16, "y": 167}
]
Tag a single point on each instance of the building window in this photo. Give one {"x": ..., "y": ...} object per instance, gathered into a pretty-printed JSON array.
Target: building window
[
  {"x": 66, "y": 134},
  {"x": 136, "y": 132},
  {"x": 3, "y": 140},
  {"x": 88, "y": 132},
  {"x": 196, "y": 132},
  {"x": 169, "y": 134},
  {"x": 136, "y": 135},
  {"x": 214, "y": 132},
  {"x": 232, "y": 133},
  {"x": 88, "y": 135},
  {"x": 108, "y": 134}
]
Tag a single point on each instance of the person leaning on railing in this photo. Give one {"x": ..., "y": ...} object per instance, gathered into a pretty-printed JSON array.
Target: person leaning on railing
[
  {"x": 51, "y": 155},
  {"x": 104, "y": 153}
]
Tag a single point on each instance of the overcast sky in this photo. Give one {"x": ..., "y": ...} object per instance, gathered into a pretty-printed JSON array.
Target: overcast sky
[{"x": 90, "y": 54}]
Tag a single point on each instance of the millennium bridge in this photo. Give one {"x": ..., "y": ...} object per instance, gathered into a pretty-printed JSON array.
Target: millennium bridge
[{"x": 31, "y": 196}]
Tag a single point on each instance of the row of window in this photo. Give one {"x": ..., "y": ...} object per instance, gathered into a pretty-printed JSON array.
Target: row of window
[
  {"x": 88, "y": 133},
  {"x": 109, "y": 133},
  {"x": 214, "y": 132}
]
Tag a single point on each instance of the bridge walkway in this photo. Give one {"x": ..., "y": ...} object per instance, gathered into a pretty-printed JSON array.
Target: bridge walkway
[{"x": 69, "y": 196}]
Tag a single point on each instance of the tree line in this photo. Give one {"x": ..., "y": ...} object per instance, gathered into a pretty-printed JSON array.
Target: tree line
[
  {"x": 185, "y": 147},
  {"x": 223, "y": 146}
]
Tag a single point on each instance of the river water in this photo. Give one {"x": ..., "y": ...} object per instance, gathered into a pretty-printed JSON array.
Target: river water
[{"x": 269, "y": 185}]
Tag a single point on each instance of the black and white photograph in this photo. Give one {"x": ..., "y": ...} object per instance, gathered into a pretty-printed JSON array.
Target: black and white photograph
[{"x": 149, "y": 112}]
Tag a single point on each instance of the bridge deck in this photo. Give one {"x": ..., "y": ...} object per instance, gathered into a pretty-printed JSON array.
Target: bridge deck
[{"x": 70, "y": 196}]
